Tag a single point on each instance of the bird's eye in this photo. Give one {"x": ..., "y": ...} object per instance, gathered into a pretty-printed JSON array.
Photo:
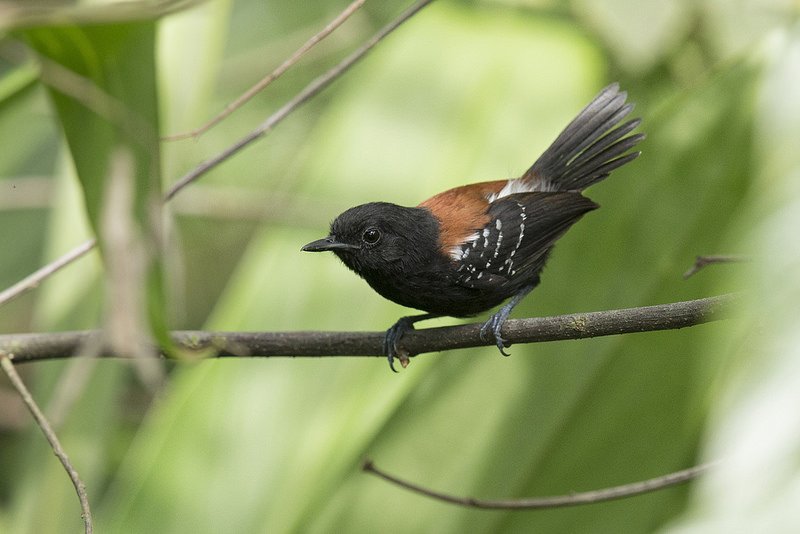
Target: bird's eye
[{"x": 371, "y": 235}]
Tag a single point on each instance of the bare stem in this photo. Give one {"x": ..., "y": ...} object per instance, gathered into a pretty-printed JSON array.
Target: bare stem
[
  {"x": 311, "y": 90},
  {"x": 274, "y": 75},
  {"x": 35, "y": 347},
  {"x": 34, "y": 279},
  {"x": 702, "y": 261},
  {"x": 557, "y": 501},
  {"x": 47, "y": 430}
]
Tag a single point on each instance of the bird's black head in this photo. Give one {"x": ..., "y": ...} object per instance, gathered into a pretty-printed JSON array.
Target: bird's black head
[{"x": 380, "y": 239}]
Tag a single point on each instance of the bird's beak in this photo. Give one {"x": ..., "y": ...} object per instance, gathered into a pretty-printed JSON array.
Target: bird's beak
[{"x": 327, "y": 243}]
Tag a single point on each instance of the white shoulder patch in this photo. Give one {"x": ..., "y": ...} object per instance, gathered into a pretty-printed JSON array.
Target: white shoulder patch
[
  {"x": 521, "y": 186},
  {"x": 460, "y": 251},
  {"x": 511, "y": 187}
]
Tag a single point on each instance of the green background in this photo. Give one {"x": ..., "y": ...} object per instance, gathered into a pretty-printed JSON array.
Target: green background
[{"x": 464, "y": 92}]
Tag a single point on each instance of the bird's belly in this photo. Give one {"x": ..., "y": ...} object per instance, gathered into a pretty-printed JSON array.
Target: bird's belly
[{"x": 439, "y": 294}]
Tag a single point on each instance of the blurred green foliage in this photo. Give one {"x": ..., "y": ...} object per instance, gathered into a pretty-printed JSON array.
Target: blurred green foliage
[{"x": 466, "y": 91}]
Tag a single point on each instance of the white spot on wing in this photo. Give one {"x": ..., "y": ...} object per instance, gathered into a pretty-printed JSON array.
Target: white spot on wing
[
  {"x": 499, "y": 240},
  {"x": 522, "y": 216}
]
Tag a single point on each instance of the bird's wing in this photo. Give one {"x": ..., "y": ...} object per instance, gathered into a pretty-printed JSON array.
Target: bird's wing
[{"x": 515, "y": 243}]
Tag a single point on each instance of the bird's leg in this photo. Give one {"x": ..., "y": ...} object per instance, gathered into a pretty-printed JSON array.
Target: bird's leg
[
  {"x": 495, "y": 322},
  {"x": 395, "y": 333}
]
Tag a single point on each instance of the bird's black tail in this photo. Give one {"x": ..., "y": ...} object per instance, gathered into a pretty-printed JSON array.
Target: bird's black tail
[{"x": 590, "y": 147}]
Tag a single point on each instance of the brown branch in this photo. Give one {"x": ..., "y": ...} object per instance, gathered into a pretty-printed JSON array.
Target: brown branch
[
  {"x": 35, "y": 347},
  {"x": 557, "y": 501},
  {"x": 312, "y": 89},
  {"x": 49, "y": 434},
  {"x": 274, "y": 75},
  {"x": 702, "y": 261},
  {"x": 34, "y": 279}
]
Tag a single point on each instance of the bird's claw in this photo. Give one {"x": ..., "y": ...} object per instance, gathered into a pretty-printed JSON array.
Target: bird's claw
[
  {"x": 390, "y": 343},
  {"x": 494, "y": 325}
]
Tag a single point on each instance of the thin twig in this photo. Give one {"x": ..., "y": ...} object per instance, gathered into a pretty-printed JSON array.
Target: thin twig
[
  {"x": 34, "y": 279},
  {"x": 274, "y": 75},
  {"x": 702, "y": 261},
  {"x": 311, "y": 90},
  {"x": 558, "y": 501},
  {"x": 47, "y": 430},
  {"x": 35, "y": 347}
]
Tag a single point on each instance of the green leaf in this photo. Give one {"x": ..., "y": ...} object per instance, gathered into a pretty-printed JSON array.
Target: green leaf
[{"x": 102, "y": 81}]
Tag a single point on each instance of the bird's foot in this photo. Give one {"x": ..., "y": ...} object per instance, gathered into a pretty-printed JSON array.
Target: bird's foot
[
  {"x": 391, "y": 346},
  {"x": 391, "y": 343},
  {"x": 493, "y": 327}
]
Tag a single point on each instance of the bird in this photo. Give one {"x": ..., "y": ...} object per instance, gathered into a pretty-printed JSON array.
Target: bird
[{"x": 469, "y": 249}]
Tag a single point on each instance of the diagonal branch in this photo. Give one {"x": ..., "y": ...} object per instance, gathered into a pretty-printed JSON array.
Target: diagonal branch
[
  {"x": 274, "y": 75},
  {"x": 50, "y": 435},
  {"x": 557, "y": 501},
  {"x": 35, "y": 347},
  {"x": 34, "y": 279},
  {"x": 312, "y": 89}
]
